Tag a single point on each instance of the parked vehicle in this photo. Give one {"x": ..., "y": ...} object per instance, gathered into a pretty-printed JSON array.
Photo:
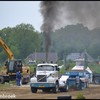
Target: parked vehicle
[
  {"x": 96, "y": 78},
  {"x": 46, "y": 78}
]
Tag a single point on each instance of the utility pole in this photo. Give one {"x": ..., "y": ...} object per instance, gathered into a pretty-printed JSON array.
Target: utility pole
[
  {"x": 85, "y": 59},
  {"x": 35, "y": 56},
  {"x": 64, "y": 59}
]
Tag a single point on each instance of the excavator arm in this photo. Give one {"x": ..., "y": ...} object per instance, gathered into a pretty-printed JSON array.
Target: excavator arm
[{"x": 7, "y": 49}]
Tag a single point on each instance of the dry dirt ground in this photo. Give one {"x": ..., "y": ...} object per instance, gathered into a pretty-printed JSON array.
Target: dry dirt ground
[{"x": 23, "y": 92}]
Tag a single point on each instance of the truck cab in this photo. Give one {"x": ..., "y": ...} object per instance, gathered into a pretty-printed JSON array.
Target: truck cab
[{"x": 45, "y": 78}]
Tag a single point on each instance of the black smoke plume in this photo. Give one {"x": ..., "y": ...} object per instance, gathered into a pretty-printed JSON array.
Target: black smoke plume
[
  {"x": 57, "y": 14},
  {"x": 48, "y": 10}
]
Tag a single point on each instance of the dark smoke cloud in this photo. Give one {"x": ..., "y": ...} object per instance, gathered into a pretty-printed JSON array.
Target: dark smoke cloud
[
  {"x": 86, "y": 12},
  {"x": 57, "y": 14}
]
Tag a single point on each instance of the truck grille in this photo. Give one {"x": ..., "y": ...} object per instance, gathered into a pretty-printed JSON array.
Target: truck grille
[{"x": 41, "y": 78}]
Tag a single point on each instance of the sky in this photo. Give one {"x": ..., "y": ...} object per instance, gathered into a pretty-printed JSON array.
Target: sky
[{"x": 13, "y": 13}]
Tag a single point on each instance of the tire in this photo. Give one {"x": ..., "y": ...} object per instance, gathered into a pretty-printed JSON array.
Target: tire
[
  {"x": 1, "y": 80},
  {"x": 56, "y": 88},
  {"x": 97, "y": 80},
  {"x": 25, "y": 80},
  {"x": 33, "y": 90}
]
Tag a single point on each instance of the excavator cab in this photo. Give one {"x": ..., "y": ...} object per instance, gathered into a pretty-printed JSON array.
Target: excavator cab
[{"x": 13, "y": 66}]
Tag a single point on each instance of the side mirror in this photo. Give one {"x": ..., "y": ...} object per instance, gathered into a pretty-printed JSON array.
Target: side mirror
[{"x": 58, "y": 69}]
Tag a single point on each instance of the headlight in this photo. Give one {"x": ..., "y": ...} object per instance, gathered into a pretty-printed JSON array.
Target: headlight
[
  {"x": 33, "y": 80},
  {"x": 51, "y": 80}
]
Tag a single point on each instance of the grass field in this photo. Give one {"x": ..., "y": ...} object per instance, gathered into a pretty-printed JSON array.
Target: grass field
[
  {"x": 95, "y": 67},
  {"x": 4, "y": 86}
]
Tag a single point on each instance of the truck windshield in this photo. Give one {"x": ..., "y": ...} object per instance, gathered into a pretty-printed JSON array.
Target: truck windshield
[{"x": 45, "y": 68}]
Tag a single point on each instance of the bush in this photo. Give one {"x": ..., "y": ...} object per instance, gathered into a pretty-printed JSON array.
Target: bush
[
  {"x": 62, "y": 70},
  {"x": 32, "y": 68},
  {"x": 80, "y": 96}
]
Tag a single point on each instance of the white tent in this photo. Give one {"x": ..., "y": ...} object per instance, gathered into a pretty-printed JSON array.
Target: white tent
[
  {"x": 78, "y": 68},
  {"x": 88, "y": 69},
  {"x": 90, "y": 74}
]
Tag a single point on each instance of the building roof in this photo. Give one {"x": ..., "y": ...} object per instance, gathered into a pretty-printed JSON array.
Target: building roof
[
  {"x": 41, "y": 56},
  {"x": 74, "y": 56}
]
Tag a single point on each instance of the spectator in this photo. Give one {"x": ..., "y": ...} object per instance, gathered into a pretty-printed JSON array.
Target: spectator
[{"x": 18, "y": 78}]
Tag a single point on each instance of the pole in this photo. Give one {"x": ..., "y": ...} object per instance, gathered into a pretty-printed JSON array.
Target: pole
[
  {"x": 35, "y": 55},
  {"x": 85, "y": 60}
]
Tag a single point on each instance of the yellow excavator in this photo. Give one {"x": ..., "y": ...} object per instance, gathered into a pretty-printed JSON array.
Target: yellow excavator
[{"x": 13, "y": 65}]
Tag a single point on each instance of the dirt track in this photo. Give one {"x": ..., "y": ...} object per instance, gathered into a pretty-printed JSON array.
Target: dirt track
[{"x": 23, "y": 92}]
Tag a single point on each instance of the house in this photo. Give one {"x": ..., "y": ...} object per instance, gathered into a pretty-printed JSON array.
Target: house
[
  {"x": 41, "y": 56},
  {"x": 74, "y": 56}
]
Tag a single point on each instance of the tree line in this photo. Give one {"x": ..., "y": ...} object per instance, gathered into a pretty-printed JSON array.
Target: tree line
[
  {"x": 76, "y": 38},
  {"x": 23, "y": 40}
]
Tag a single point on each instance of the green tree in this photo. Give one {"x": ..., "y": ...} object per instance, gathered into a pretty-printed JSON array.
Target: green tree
[{"x": 22, "y": 40}]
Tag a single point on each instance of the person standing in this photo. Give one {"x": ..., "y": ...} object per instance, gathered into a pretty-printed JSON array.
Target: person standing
[{"x": 18, "y": 78}]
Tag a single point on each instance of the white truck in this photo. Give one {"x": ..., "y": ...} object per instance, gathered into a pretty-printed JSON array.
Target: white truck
[{"x": 45, "y": 78}]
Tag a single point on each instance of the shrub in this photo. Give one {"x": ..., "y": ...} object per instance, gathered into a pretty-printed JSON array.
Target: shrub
[{"x": 80, "y": 96}]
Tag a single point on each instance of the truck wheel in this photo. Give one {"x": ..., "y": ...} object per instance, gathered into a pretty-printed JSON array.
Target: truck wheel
[
  {"x": 56, "y": 88},
  {"x": 24, "y": 81},
  {"x": 1, "y": 80},
  {"x": 33, "y": 90},
  {"x": 97, "y": 81}
]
